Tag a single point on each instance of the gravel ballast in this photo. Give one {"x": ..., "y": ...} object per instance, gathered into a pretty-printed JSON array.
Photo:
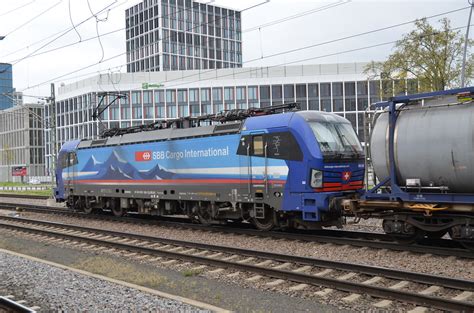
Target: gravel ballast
[
  {"x": 429, "y": 264},
  {"x": 56, "y": 289}
]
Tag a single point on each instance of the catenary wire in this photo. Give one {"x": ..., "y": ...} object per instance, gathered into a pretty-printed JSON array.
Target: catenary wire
[
  {"x": 307, "y": 59},
  {"x": 33, "y": 18},
  {"x": 301, "y": 14},
  {"x": 17, "y": 8},
  {"x": 61, "y": 35},
  {"x": 122, "y": 53},
  {"x": 212, "y": 70},
  {"x": 72, "y": 22},
  {"x": 322, "y": 43},
  {"x": 298, "y": 15}
]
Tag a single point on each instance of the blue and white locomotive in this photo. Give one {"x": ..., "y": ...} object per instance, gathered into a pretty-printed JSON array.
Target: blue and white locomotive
[{"x": 275, "y": 170}]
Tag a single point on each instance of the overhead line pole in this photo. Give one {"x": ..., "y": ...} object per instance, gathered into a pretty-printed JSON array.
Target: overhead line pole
[
  {"x": 53, "y": 144},
  {"x": 466, "y": 41}
]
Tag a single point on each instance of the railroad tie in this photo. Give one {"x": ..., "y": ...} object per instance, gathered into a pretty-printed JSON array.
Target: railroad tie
[
  {"x": 189, "y": 251},
  {"x": 215, "y": 255},
  {"x": 463, "y": 296},
  {"x": 418, "y": 309},
  {"x": 347, "y": 276},
  {"x": 169, "y": 262},
  {"x": 264, "y": 263},
  {"x": 233, "y": 256},
  {"x": 302, "y": 269},
  {"x": 373, "y": 280},
  {"x": 233, "y": 275},
  {"x": 200, "y": 267},
  {"x": 298, "y": 287},
  {"x": 324, "y": 272},
  {"x": 247, "y": 260},
  {"x": 175, "y": 249},
  {"x": 400, "y": 285},
  {"x": 275, "y": 282},
  {"x": 282, "y": 266},
  {"x": 383, "y": 304},
  {"x": 324, "y": 293},
  {"x": 351, "y": 298},
  {"x": 201, "y": 253},
  {"x": 254, "y": 278},
  {"x": 430, "y": 290},
  {"x": 216, "y": 271}
]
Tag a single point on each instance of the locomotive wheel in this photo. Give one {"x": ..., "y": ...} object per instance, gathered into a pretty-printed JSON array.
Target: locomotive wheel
[
  {"x": 268, "y": 222},
  {"x": 89, "y": 210},
  {"x": 204, "y": 215},
  {"x": 116, "y": 209}
]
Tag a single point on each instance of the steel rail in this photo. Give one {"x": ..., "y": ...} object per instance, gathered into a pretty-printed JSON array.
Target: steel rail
[
  {"x": 358, "y": 239},
  {"x": 364, "y": 269},
  {"x": 9, "y": 305},
  {"x": 352, "y": 287},
  {"x": 21, "y": 196}
]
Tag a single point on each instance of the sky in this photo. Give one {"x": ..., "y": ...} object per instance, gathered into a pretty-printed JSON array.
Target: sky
[{"x": 44, "y": 47}]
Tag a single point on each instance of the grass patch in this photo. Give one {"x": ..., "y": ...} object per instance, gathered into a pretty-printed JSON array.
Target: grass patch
[
  {"x": 110, "y": 268},
  {"x": 47, "y": 192},
  {"x": 191, "y": 272}
]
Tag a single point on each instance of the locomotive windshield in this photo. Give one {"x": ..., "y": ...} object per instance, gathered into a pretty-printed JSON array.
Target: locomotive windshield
[{"x": 336, "y": 139}]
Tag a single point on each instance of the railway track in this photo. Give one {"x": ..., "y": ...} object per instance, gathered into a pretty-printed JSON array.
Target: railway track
[
  {"x": 21, "y": 196},
  {"x": 9, "y": 305},
  {"x": 443, "y": 247},
  {"x": 388, "y": 286}
]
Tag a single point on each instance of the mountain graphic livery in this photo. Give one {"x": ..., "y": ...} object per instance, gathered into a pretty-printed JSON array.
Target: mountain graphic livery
[{"x": 117, "y": 168}]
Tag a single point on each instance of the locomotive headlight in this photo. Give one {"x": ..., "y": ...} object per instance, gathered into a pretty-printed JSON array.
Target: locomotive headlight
[{"x": 316, "y": 179}]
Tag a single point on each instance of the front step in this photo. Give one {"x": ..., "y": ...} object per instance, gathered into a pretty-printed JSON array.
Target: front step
[{"x": 259, "y": 210}]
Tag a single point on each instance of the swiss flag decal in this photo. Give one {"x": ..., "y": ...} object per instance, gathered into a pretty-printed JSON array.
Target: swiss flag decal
[
  {"x": 346, "y": 176},
  {"x": 142, "y": 156}
]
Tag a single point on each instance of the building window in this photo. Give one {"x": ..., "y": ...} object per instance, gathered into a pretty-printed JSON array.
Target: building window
[
  {"x": 265, "y": 96},
  {"x": 301, "y": 98},
  {"x": 277, "y": 95}
]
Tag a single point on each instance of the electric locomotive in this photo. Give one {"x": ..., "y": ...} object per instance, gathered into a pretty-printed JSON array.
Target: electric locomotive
[{"x": 269, "y": 167}]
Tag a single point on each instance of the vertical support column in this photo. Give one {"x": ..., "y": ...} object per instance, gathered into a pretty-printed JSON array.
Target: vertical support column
[
  {"x": 53, "y": 143},
  {"x": 391, "y": 150}
]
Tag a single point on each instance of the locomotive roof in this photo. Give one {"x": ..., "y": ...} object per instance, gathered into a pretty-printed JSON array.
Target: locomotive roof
[
  {"x": 163, "y": 134},
  {"x": 257, "y": 122}
]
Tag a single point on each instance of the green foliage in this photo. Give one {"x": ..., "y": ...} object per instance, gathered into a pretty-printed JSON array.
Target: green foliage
[{"x": 432, "y": 56}]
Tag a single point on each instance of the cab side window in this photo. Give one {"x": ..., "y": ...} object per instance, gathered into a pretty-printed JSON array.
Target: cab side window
[
  {"x": 72, "y": 158},
  {"x": 258, "y": 145}
]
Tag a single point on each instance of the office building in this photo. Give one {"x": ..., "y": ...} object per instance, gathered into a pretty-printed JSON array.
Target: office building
[
  {"x": 6, "y": 86},
  {"x": 172, "y": 35},
  {"x": 149, "y": 97},
  {"x": 21, "y": 143}
]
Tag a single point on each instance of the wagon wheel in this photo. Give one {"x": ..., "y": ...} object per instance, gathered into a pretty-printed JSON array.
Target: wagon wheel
[
  {"x": 436, "y": 234},
  {"x": 409, "y": 239},
  {"x": 268, "y": 222}
]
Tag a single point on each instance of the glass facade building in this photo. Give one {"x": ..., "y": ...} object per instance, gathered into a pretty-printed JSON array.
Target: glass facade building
[
  {"x": 339, "y": 88},
  {"x": 172, "y": 35},
  {"x": 21, "y": 141},
  {"x": 6, "y": 86}
]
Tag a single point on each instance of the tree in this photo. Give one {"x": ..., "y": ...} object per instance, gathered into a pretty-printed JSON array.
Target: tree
[{"x": 432, "y": 56}]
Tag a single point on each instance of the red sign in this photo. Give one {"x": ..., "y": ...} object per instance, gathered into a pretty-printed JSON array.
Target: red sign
[
  {"x": 142, "y": 156},
  {"x": 346, "y": 176},
  {"x": 19, "y": 171}
]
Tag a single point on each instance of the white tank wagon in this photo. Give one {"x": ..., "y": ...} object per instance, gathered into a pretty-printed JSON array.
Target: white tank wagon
[
  {"x": 421, "y": 149},
  {"x": 433, "y": 145}
]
